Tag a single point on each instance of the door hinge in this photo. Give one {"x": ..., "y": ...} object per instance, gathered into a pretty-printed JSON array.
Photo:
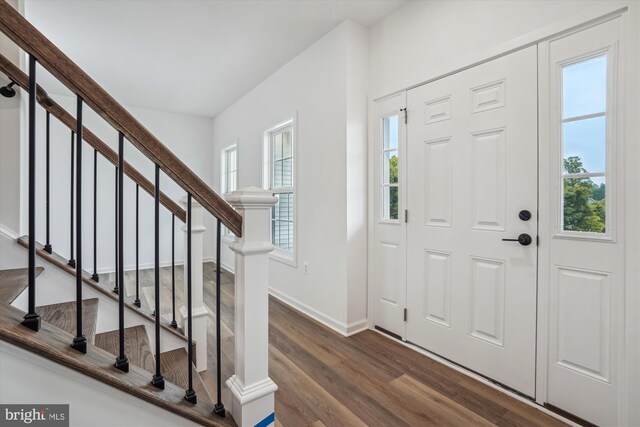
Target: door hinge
[
  {"x": 405, "y": 115},
  {"x": 405, "y": 314},
  {"x": 406, "y": 216},
  {"x": 537, "y": 240}
]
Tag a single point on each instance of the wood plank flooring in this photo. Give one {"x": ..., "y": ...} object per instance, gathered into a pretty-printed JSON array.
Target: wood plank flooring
[{"x": 325, "y": 379}]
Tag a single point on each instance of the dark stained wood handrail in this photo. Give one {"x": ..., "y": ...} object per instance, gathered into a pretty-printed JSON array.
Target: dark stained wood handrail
[
  {"x": 21, "y": 79},
  {"x": 32, "y": 41}
]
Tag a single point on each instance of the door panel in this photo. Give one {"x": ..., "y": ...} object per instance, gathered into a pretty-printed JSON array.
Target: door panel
[
  {"x": 472, "y": 167},
  {"x": 389, "y": 227},
  {"x": 584, "y": 247}
]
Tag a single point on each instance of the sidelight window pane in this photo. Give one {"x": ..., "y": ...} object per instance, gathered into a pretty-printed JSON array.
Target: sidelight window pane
[
  {"x": 390, "y": 167},
  {"x": 584, "y": 204},
  {"x": 389, "y": 202},
  {"x": 584, "y": 141},
  {"x": 584, "y": 87},
  {"x": 584, "y": 145},
  {"x": 390, "y": 133}
]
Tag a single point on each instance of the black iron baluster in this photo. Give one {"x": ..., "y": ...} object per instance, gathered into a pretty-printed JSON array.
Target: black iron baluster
[
  {"x": 218, "y": 409},
  {"x": 79, "y": 342},
  {"x": 72, "y": 261},
  {"x": 158, "y": 379},
  {"x": 95, "y": 276},
  {"x": 122, "y": 362},
  {"x": 47, "y": 246},
  {"x": 173, "y": 271},
  {"x": 116, "y": 288},
  {"x": 32, "y": 319},
  {"x": 137, "y": 301},
  {"x": 190, "y": 394}
]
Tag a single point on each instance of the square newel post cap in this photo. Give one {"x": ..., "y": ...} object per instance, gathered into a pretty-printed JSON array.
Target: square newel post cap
[{"x": 251, "y": 198}]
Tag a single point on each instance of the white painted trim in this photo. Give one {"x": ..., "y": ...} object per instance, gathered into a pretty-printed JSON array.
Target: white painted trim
[
  {"x": 8, "y": 232},
  {"x": 287, "y": 258},
  {"x": 478, "y": 378},
  {"x": 331, "y": 323}
]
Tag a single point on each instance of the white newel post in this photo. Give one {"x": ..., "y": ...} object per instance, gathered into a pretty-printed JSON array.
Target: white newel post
[
  {"x": 200, "y": 312},
  {"x": 252, "y": 389}
]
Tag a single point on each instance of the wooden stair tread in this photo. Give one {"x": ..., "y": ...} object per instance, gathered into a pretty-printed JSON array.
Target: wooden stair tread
[
  {"x": 13, "y": 282},
  {"x": 62, "y": 263},
  {"x": 53, "y": 343},
  {"x": 63, "y": 316},
  {"x": 174, "y": 367},
  {"x": 136, "y": 346}
]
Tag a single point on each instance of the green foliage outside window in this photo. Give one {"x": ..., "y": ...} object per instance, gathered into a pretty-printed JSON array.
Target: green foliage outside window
[
  {"x": 584, "y": 200},
  {"x": 393, "y": 177}
]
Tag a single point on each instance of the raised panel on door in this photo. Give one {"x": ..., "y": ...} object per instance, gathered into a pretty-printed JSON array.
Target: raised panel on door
[{"x": 471, "y": 168}]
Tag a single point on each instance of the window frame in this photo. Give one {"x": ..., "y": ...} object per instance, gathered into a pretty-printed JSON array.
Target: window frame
[
  {"x": 381, "y": 152},
  {"x": 610, "y": 116},
  {"x": 227, "y": 235},
  {"x": 283, "y": 256}
]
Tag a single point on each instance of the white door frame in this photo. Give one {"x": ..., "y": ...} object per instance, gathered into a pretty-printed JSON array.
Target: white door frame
[{"x": 629, "y": 411}]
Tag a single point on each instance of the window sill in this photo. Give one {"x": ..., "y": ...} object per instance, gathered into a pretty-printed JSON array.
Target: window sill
[{"x": 287, "y": 258}]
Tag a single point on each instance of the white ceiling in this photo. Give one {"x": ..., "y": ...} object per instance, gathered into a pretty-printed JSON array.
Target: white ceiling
[{"x": 189, "y": 56}]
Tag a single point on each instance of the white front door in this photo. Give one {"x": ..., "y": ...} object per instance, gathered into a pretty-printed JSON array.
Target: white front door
[
  {"x": 472, "y": 182},
  {"x": 389, "y": 246}
]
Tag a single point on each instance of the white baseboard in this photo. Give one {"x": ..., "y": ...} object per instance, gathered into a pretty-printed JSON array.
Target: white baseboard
[
  {"x": 8, "y": 232},
  {"x": 340, "y": 327},
  {"x": 231, "y": 269}
]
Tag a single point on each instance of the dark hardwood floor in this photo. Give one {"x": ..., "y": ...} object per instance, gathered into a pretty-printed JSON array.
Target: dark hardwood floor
[{"x": 325, "y": 379}]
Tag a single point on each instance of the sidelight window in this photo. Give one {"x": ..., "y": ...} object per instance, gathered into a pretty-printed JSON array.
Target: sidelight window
[
  {"x": 584, "y": 145},
  {"x": 389, "y": 173}
]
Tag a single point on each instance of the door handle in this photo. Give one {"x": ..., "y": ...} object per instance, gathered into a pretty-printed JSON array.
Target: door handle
[{"x": 524, "y": 239}]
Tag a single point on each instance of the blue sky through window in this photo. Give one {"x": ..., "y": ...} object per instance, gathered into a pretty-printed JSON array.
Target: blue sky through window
[{"x": 584, "y": 91}]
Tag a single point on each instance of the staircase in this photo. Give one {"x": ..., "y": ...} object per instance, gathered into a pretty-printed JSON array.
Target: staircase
[
  {"x": 57, "y": 330},
  {"x": 139, "y": 357}
]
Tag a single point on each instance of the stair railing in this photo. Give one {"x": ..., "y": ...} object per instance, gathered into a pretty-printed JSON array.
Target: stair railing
[{"x": 250, "y": 383}]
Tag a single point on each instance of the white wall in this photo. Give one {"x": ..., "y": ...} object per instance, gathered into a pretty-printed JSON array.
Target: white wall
[
  {"x": 189, "y": 137},
  {"x": 10, "y": 113},
  {"x": 424, "y": 39},
  {"x": 320, "y": 85}
]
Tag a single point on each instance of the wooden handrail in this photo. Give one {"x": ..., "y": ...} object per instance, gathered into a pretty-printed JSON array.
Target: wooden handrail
[
  {"x": 21, "y": 79},
  {"x": 32, "y": 41}
]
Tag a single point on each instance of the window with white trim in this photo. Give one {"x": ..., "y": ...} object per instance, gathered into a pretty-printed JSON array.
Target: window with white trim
[
  {"x": 584, "y": 144},
  {"x": 279, "y": 177},
  {"x": 228, "y": 177},
  {"x": 389, "y": 172}
]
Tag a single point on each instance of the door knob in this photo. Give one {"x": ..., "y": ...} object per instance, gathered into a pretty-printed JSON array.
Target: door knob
[{"x": 524, "y": 239}]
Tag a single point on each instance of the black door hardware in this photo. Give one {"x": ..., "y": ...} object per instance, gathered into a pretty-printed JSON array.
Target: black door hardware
[
  {"x": 524, "y": 239},
  {"x": 524, "y": 215}
]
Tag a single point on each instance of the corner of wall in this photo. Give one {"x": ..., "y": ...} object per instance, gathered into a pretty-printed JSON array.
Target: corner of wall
[{"x": 357, "y": 63}]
